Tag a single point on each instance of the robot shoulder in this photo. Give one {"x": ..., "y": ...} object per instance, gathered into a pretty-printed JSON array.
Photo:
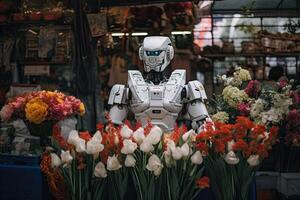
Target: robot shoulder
[
  {"x": 195, "y": 90},
  {"x": 178, "y": 76},
  {"x": 118, "y": 94}
]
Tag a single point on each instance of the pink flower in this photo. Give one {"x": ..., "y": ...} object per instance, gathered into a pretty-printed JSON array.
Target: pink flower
[
  {"x": 282, "y": 84},
  {"x": 253, "y": 89},
  {"x": 18, "y": 103},
  {"x": 6, "y": 112},
  {"x": 295, "y": 97},
  {"x": 244, "y": 109}
]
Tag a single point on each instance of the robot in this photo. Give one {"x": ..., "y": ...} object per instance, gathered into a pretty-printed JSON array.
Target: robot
[{"x": 155, "y": 98}]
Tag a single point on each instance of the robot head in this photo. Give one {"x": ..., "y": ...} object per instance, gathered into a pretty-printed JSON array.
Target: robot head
[{"x": 156, "y": 53}]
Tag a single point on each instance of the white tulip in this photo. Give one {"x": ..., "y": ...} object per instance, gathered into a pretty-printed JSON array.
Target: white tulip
[
  {"x": 231, "y": 158},
  {"x": 126, "y": 132},
  {"x": 185, "y": 150},
  {"x": 253, "y": 160},
  {"x": 139, "y": 135},
  {"x": 113, "y": 163},
  {"x": 73, "y": 136},
  {"x": 80, "y": 145},
  {"x": 130, "y": 161},
  {"x": 230, "y": 144},
  {"x": 100, "y": 170},
  {"x": 154, "y": 165},
  {"x": 97, "y": 136},
  {"x": 176, "y": 153},
  {"x": 55, "y": 160},
  {"x": 128, "y": 147},
  {"x": 94, "y": 147},
  {"x": 197, "y": 158},
  {"x": 146, "y": 146},
  {"x": 188, "y": 134},
  {"x": 66, "y": 157},
  {"x": 154, "y": 135}
]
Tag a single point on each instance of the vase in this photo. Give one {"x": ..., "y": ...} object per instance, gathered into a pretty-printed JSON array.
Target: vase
[{"x": 42, "y": 130}]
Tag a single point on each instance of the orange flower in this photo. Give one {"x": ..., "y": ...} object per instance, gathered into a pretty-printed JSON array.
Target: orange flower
[
  {"x": 245, "y": 122},
  {"x": 203, "y": 182},
  {"x": 85, "y": 135},
  {"x": 240, "y": 145},
  {"x": 257, "y": 130},
  {"x": 203, "y": 147},
  {"x": 219, "y": 146}
]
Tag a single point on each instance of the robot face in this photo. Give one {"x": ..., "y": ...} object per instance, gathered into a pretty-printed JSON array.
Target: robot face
[
  {"x": 156, "y": 52},
  {"x": 154, "y": 60}
]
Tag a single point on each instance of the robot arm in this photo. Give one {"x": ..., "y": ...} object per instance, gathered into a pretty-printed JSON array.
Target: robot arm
[
  {"x": 196, "y": 109},
  {"x": 118, "y": 100}
]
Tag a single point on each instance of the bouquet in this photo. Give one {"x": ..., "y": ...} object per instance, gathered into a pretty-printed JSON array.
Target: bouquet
[
  {"x": 41, "y": 110},
  {"x": 247, "y": 97},
  {"x": 232, "y": 154},
  {"x": 161, "y": 165}
]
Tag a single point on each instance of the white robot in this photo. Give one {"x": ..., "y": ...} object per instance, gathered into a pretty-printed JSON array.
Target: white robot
[{"x": 156, "y": 99}]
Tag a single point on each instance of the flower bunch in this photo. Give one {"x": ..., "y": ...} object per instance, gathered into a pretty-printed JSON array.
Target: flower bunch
[
  {"x": 36, "y": 107},
  {"x": 250, "y": 98},
  {"x": 162, "y": 165},
  {"x": 234, "y": 152}
]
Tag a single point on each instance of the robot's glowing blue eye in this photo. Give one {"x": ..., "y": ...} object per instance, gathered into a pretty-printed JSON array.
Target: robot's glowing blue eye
[{"x": 153, "y": 53}]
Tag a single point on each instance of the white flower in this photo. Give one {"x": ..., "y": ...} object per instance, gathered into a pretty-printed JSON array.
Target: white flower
[
  {"x": 154, "y": 165},
  {"x": 176, "y": 153},
  {"x": 253, "y": 160},
  {"x": 73, "y": 136},
  {"x": 185, "y": 150},
  {"x": 94, "y": 147},
  {"x": 154, "y": 135},
  {"x": 97, "y": 136},
  {"x": 257, "y": 108},
  {"x": 126, "y": 132},
  {"x": 66, "y": 157},
  {"x": 220, "y": 117},
  {"x": 80, "y": 145},
  {"x": 128, "y": 147},
  {"x": 197, "y": 158},
  {"x": 113, "y": 163},
  {"x": 55, "y": 160},
  {"x": 100, "y": 170},
  {"x": 139, "y": 135},
  {"x": 130, "y": 161},
  {"x": 230, "y": 145},
  {"x": 188, "y": 134},
  {"x": 146, "y": 146},
  {"x": 231, "y": 158}
]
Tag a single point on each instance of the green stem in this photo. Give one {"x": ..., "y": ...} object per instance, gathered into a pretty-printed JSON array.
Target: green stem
[{"x": 139, "y": 184}]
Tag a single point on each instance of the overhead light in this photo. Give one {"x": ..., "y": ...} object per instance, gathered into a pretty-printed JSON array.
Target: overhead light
[
  {"x": 127, "y": 34},
  {"x": 181, "y": 32},
  {"x": 139, "y": 34}
]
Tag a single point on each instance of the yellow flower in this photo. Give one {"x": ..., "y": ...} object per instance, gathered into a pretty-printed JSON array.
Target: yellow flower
[
  {"x": 242, "y": 74},
  {"x": 220, "y": 117},
  {"x": 81, "y": 109},
  {"x": 233, "y": 96},
  {"x": 36, "y": 111}
]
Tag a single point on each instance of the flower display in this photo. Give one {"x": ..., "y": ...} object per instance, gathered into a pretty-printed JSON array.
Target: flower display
[
  {"x": 107, "y": 158},
  {"x": 234, "y": 150},
  {"x": 220, "y": 117},
  {"x": 234, "y": 96},
  {"x": 37, "y": 107}
]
